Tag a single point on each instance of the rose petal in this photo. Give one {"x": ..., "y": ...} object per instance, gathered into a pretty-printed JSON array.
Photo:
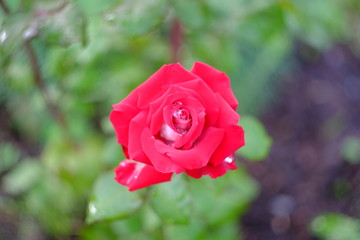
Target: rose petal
[
  {"x": 197, "y": 113},
  {"x": 161, "y": 162},
  {"x": 174, "y": 93},
  {"x": 218, "y": 81},
  {"x": 206, "y": 96},
  {"x": 187, "y": 140},
  {"x": 197, "y": 156},
  {"x": 135, "y": 151},
  {"x": 233, "y": 140},
  {"x": 166, "y": 75},
  {"x": 120, "y": 118},
  {"x": 227, "y": 115},
  {"x": 138, "y": 175},
  {"x": 212, "y": 171}
]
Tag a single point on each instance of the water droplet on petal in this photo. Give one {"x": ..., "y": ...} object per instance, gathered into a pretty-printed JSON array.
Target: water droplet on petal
[
  {"x": 169, "y": 134},
  {"x": 229, "y": 159}
]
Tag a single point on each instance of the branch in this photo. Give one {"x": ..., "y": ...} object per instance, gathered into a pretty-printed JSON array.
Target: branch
[
  {"x": 176, "y": 39},
  {"x": 4, "y": 7},
  {"x": 39, "y": 82},
  {"x": 38, "y": 78}
]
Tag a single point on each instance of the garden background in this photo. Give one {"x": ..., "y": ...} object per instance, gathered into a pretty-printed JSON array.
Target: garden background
[{"x": 295, "y": 70}]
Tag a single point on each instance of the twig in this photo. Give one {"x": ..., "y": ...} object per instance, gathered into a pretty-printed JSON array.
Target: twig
[
  {"x": 38, "y": 78},
  {"x": 39, "y": 82},
  {"x": 4, "y": 7},
  {"x": 176, "y": 39}
]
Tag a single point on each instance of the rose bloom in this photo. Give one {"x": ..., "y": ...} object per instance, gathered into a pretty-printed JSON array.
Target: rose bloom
[{"x": 177, "y": 121}]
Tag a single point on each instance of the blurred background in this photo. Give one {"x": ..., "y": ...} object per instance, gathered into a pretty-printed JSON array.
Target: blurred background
[{"x": 294, "y": 67}]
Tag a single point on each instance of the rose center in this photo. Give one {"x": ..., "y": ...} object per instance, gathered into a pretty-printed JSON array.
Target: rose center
[{"x": 181, "y": 119}]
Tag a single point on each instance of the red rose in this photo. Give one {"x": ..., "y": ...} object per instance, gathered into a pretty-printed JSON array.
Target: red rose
[{"x": 177, "y": 121}]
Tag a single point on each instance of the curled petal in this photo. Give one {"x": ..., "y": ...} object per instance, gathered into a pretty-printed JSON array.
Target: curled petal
[
  {"x": 161, "y": 162},
  {"x": 197, "y": 113},
  {"x": 174, "y": 93},
  {"x": 206, "y": 96},
  {"x": 197, "y": 156},
  {"x": 227, "y": 115},
  {"x": 136, "y": 175},
  {"x": 233, "y": 140}
]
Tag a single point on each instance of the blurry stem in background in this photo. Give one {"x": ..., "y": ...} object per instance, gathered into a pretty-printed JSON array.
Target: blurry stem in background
[
  {"x": 4, "y": 7},
  {"x": 39, "y": 81},
  {"x": 176, "y": 39},
  {"x": 38, "y": 78}
]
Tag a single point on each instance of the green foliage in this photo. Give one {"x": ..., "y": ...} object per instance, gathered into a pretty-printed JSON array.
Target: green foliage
[
  {"x": 350, "y": 149},
  {"x": 129, "y": 16},
  {"x": 64, "y": 28},
  {"x": 257, "y": 141},
  {"x": 183, "y": 208},
  {"x": 91, "y": 55},
  {"x": 220, "y": 200},
  {"x": 8, "y": 156},
  {"x": 111, "y": 201},
  {"x": 171, "y": 201},
  {"x": 23, "y": 177},
  {"x": 332, "y": 226}
]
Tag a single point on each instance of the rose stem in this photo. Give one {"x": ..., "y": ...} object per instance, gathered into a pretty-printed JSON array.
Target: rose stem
[
  {"x": 38, "y": 78},
  {"x": 4, "y": 7},
  {"x": 176, "y": 39}
]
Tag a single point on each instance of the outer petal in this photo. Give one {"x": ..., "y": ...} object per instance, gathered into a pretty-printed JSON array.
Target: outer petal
[
  {"x": 196, "y": 157},
  {"x": 161, "y": 162},
  {"x": 227, "y": 115},
  {"x": 213, "y": 171},
  {"x": 233, "y": 140},
  {"x": 218, "y": 81},
  {"x": 166, "y": 75},
  {"x": 138, "y": 175},
  {"x": 135, "y": 150},
  {"x": 120, "y": 118}
]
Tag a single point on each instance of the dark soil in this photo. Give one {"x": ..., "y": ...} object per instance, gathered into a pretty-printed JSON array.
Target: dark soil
[{"x": 305, "y": 173}]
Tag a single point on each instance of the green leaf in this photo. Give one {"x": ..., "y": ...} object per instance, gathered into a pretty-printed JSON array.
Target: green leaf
[
  {"x": 111, "y": 200},
  {"x": 199, "y": 229},
  {"x": 350, "y": 149},
  {"x": 223, "y": 199},
  {"x": 171, "y": 201},
  {"x": 64, "y": 25},
  {"x": 23, "y": 177},
  {"x": 189, "y": 12},
  {"x": 9, "y": 155},
  {"x": 258, "y": 142},
  {"x": 263, "y": 51},
  {"x": 93, "y": 8},
  {"x": 136, "y": 17},
  {"x": 144, "y": 224},
  {"x": 332, "y": 226},
  {"x": 319, "y": 23},
  {"x": 195, "y": 229},
  {"x": 12, "y": 32}
]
